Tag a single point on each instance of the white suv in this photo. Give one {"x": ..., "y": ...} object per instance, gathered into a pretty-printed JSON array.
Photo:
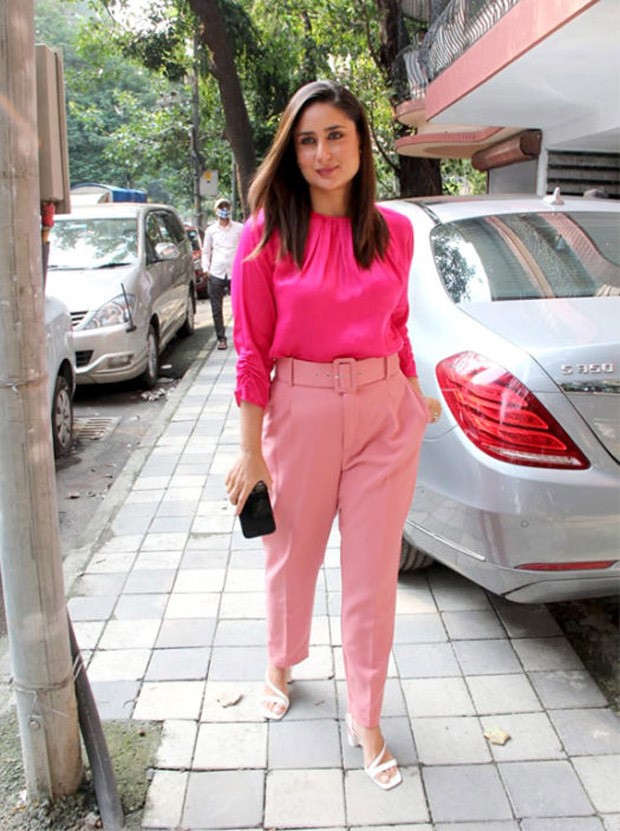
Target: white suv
[{"x": 61, "y": 368}]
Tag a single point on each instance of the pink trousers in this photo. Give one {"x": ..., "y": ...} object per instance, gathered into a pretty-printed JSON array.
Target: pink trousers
[{"x": 340, "y": 439}]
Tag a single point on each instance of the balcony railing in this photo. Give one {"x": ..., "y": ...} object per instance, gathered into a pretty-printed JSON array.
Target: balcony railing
[{"x": 459, "y": 26}]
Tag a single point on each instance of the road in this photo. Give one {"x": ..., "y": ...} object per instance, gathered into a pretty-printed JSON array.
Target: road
[{"x": 110, "y": 422}]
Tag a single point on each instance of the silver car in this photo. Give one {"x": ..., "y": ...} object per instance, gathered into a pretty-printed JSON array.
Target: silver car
[
  {"x": 126, "y": 272},
  {"x": 61, "y": 373},
  {"x": 515, "y": 324}
]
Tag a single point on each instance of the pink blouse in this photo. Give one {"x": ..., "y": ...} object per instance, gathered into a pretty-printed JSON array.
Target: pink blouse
[{"x": 331, "y": 308}]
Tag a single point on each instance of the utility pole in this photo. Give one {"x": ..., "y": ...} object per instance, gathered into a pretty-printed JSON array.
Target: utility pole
[
  {"x": 196, "y": 157},
  {"x": 30, "y": 552}
]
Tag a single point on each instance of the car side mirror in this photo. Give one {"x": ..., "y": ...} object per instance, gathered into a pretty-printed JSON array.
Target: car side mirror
[{"x": 166, "y": 251}]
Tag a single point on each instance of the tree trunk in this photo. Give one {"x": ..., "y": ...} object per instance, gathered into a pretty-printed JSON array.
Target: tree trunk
[
  {"x": 419, "y": 177},
  {"x": 416, "y": 176},
  {"x": 214, "y": 34}
]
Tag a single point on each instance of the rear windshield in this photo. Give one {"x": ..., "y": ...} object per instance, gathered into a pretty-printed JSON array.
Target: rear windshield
[
  {"x": 529, "y": 255},
  {"x": 93, "y": 243}
]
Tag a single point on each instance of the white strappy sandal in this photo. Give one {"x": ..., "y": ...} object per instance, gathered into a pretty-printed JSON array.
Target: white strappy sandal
[
  {"x": 278, "y": 697},
  {"x": 376, "y": 767}
]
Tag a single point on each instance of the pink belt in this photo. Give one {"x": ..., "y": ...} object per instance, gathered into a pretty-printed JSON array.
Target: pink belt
[{"x": 342, "y": 375}]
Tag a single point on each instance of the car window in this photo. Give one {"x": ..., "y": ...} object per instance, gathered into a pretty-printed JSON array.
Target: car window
[
  {"x": 528, "y": 255},
  {"x": 175, "y": 228},
  {"x": 93, "y": 243}
]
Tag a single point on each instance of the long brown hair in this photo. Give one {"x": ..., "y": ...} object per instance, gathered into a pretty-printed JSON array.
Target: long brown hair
[{"x": 283, "y": 194}]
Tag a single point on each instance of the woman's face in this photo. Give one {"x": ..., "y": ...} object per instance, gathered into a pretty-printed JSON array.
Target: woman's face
[{"x": 327, "y": 148}]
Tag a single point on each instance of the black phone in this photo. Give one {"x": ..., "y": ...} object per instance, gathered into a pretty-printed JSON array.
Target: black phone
[{"x": 256, "y": 516}]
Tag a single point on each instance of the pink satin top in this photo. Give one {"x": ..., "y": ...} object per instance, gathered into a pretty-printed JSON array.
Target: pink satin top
[{"x": 330, "y": 308}]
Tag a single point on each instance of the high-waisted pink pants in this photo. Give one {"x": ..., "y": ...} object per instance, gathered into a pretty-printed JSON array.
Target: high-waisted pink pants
[{"x": 349, "y": 449}]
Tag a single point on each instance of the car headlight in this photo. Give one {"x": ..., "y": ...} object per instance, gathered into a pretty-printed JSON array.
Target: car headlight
[{"x": 117, "y": 311}]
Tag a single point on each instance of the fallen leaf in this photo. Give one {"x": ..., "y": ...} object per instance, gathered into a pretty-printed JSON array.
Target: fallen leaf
[
  {"x": 228, "y": 698},
  {"x": 497, "y": 736}
]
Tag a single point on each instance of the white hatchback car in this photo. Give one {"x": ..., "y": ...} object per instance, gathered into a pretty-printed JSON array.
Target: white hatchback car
[
  {"x": 126, "y": 272},
  {"x": 515, "y": 324},
  {"x": 61, "y": 372}
]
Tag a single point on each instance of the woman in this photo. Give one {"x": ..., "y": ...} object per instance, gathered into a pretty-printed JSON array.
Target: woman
[{"x": 320, "y": 292}]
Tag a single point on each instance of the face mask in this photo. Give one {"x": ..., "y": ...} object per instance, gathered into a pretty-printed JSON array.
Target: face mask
[{"x": 223, "y": 213}]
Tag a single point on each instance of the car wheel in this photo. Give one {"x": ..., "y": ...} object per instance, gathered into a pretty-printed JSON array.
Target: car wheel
[
  {"x": 411, "y": 558},
  {"x": 190, "y": 316},
  {"x": 151, "y": 373},
  {"x": 62, "y": 417}
]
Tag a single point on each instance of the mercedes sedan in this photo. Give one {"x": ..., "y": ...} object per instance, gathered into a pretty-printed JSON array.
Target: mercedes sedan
[{"x": 515, "y": 324}]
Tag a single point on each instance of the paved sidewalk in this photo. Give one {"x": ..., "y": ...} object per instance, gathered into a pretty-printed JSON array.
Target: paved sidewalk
[{"x": 169, "y": 611}]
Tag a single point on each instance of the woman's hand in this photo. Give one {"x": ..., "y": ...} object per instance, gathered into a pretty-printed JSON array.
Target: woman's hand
[
  {"x": 433, "y": 404},
  {"x": 434, "y": 407},
  {"x": 249, "y": 469}
]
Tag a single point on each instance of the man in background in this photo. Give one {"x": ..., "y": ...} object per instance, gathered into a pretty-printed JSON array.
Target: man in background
[{"x": 218, "y": 252}]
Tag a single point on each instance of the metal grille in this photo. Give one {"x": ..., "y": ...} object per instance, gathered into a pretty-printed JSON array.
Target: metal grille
[
  {"x": 452, "y": 32},
  {"x": 92, "y": 428}
]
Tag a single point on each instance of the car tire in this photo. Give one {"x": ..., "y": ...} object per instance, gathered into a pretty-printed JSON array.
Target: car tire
[
  {"x": 411, "y": 558},
  {"x": 62, "y": 417},
  {"x": 189, "y": 325},
  {"x": 151, "y": 373}
]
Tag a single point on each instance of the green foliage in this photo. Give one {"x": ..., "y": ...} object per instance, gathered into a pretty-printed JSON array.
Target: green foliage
[
  {"x": 460, "y": 178},
  {"x": 126, "y": 125}
]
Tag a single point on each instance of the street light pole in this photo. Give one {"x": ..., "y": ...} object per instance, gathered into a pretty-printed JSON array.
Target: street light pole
[{"x": 30, "y": 553}]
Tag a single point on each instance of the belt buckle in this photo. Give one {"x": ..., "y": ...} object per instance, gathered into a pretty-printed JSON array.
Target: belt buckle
[{"x": 345, "y": 374}]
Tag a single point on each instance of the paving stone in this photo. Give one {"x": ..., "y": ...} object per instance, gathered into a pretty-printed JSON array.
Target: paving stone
[
  {"x": 244, "y": 693},
  {"x": 241, "y": 605},
  {"x": 185, "y": 633},
  {"x": 118, "y": 665},
  {"x": 425, "y": 660},
  {"x": 164, "y": 800},
  {"x": 465, "y": 793},
  {"x": 89, "y": 585},
  {"x": 176, "y": 748},
  {"x": 473, "y": 624},
  {"x": 241, "y": 633},
  {"x": 545, "y": 789},
  {"x": 443, "y": 741},
  {"x": 393, "y": 699},
  {"x": 586, "y": 732},
  {"x": 567, "y": 689},
  {"x": 563, "y": 824},
  {"x": 601, "y": 779},
  {"x": 304, "y": 744},
  {"x": 199, "y": 580},
  {"x": 612, "y": 823},
  {"x": 115, "y": 699},
  {"x": 224, "y": 799},
  {"x": 497, "y": 825},
  {"x": 91, "y": 608},
  {"x": 437, "y": 697},
  {"x": 312, "y": 699},
  {"x": 140, "y": 606},
  {"x": 161, "y": 700},
  {"x": 198, "y": 606},
  {"x": 454, "y": 593},
  {"x": 414, "y": 597},
  {"x": 546, "y": 654},
  {"x": 150, "y": 582},
  {"x": 230, "y": 746},
  {"x": 531, "y": 737},
  {"x": 88, "y": 632},
  {"x": 367, "y": 803},
  {"x": 486, "y": 657},
  {"x": 238, "y": 663},
  {"x": 502, "y": 694},
  {"x": 420, "y": 628},
  {"x": 121, "y": 634},
  {"x": 304, "y": 797},
  {"x": 319, "y": 664},
  {"x": 181, "y": 664}
]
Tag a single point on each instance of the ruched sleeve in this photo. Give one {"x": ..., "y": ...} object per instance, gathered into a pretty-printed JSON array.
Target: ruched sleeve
[
  {"x": 254, "y": 313},
  {"x": 401, "y": 245}
]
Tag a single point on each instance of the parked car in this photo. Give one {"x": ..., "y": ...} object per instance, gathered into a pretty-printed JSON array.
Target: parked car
[
  {"x": 202, "y": 279},
  {"x": 61, "y": 372},
  {"x": 514, "y": 320},
  {"x": 126, "y": 272}
]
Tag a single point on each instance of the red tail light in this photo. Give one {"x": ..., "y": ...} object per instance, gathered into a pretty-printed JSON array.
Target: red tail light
[{"x": 502, "y": 417}]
